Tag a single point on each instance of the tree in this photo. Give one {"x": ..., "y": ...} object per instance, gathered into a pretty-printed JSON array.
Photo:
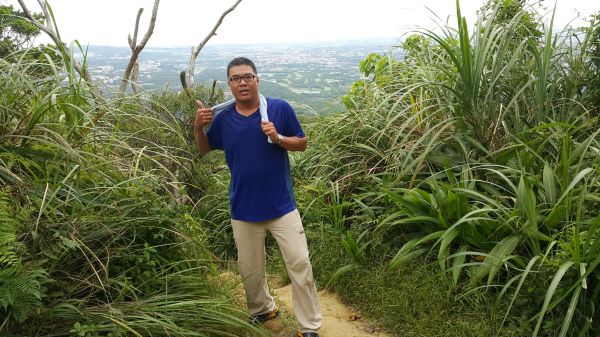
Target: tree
[
  {"x": 501, "y": 12},
  {"x": 16, "y": 32}
]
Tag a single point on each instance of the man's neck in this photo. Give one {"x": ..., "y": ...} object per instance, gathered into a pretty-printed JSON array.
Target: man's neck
[{"x": 248, "y": 107}]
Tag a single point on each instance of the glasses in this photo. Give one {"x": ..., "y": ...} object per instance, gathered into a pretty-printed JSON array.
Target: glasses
[{"x": 238, "y": 79}]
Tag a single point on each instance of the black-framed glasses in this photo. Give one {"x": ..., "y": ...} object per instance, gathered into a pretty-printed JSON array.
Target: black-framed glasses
[{"x": 238, "y": 79}]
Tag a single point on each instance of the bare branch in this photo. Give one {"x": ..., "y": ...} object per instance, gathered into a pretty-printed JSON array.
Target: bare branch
[
  {"x": 185, "y": 87},
  {"x": 36, "y": 23},
  {"x": 132, "y": 44},
  {"x": 136, "y": 49},
  {"x": 198, "y": 48},
  {"x": 42, "y": 4},
  {"x": 151, "y": 26},
  {"x": 182, "y": 79},
  {"x": 134, "y": 79},
  {"x": 165, "y": 88},
  {"x": 137, "y": 24}
]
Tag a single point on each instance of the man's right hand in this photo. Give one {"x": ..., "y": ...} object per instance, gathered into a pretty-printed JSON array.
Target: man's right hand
[{"x": 204, "y": 116}]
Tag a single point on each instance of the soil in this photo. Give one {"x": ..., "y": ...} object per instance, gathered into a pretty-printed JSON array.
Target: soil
[{"x": 338, "y": 319}]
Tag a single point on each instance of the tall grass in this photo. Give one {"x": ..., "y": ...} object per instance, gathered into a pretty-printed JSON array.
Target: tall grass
[
  {"x": 92, "y": 239},
  {"x": 476, "y": 150}
]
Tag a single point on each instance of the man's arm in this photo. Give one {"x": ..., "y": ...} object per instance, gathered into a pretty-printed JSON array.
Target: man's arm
[
  {"x": 292, "y": 143},
  {"x": 203, "y": 118}
]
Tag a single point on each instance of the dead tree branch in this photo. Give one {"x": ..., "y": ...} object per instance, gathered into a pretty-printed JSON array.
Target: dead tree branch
[
  {"x": 132, "y": 43},
  {"x": 137, "y": 48},
  {"x": 197, "y": 49}
]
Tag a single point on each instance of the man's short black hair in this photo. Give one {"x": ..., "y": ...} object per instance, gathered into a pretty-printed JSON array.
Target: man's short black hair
[{"x": 240, "y": 61}]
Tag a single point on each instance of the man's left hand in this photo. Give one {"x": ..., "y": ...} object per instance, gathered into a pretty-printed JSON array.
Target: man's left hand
[{"x": 269, "y": 129}]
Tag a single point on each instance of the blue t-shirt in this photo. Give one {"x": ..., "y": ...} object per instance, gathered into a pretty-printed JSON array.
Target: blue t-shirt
[{"x": 261, "y": 184}]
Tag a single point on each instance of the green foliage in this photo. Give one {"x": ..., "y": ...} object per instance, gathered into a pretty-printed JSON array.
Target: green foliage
[
  {"x": 179, "y": 109},
  {"x": 502, "y": 12},
  {"x": 20, "y": 280},
  {"x": 475, "y": 155},
  {"x": 376, "y": 70},
  {"x": 93, "y": 330},
  {"x": 591, "y": 78},
  {"x": 411, "y": 301},
  {"x": 16, "y": 32},
  {"x": 478, "y": 150},
  {"x": 95, "y": 239}
]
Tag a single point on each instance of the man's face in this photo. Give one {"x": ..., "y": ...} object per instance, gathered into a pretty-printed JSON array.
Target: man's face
[{"x": 246, "y": 89}]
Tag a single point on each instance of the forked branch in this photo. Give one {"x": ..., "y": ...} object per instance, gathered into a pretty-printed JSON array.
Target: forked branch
[
  {"x": 137, "y": 48},
  {"x": 198, "y": 48}
]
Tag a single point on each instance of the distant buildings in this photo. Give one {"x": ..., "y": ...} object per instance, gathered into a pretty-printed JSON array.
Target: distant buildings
[{"x": 311, "y": 76}]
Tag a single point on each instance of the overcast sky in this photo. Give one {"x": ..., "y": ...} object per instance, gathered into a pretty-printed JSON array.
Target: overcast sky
[{"x": 187, "y": 22}]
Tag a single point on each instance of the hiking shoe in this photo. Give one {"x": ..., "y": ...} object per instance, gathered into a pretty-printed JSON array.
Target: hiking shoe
[
  {"x": 261, "y": 318},
  {"x": 306, "y": 334}
]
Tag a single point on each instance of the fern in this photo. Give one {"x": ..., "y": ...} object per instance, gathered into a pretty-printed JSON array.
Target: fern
[
  {"x": 20, "y": 284},
  {"x": 20, "y": 292}
]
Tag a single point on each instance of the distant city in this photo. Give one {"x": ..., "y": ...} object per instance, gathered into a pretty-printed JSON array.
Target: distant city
[{"x": 312, "y": 77}]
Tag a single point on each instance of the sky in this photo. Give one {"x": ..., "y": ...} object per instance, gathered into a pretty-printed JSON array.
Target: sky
[{"x": 187, "y": 22}]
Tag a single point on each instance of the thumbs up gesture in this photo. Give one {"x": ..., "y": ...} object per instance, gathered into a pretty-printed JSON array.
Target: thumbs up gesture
[{"x": 204, "y": 116}]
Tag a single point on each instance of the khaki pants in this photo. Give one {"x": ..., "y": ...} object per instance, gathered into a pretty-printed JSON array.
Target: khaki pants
[{"x": 289, "y": 233}]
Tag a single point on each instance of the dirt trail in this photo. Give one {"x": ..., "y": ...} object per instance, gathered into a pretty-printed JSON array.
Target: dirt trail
[{"x": 338, "y": 320}]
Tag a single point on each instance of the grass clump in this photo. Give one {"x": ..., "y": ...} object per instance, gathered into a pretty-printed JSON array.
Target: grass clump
[
  {"x": 410, "y": 301},
  {"x": 468, "y": 152},
  {"x": 94, "y": 241}
]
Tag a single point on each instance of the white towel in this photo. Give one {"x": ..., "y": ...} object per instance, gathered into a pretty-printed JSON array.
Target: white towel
[{"x": 264, "y": 117}]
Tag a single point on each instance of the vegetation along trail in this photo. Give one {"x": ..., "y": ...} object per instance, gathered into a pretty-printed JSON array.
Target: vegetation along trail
[{"x": 455, "y": 191}]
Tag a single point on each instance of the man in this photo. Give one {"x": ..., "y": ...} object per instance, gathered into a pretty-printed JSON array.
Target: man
[{"x": 261, "y": 192}]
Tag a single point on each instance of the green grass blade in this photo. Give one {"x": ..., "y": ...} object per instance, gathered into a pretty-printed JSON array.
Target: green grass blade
[{"x": 550, "y": 293}]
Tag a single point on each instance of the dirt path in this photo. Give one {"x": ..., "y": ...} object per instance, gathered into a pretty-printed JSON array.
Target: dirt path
[{"x": 338, "y": 320}]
